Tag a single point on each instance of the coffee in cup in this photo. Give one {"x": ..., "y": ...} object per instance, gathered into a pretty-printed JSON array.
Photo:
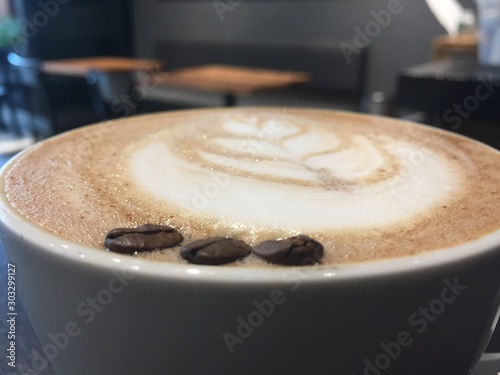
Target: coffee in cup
[
  {"x": 367, "y": 188},
  {"x": 407, "y": 218}
]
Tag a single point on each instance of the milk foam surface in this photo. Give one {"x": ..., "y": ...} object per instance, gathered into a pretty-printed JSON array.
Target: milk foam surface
[
  {"x": 294, "y": 176},
  {"x": 366, "y": 187}
]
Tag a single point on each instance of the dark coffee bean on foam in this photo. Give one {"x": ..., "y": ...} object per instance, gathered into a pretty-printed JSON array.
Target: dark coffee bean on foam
[
  {"x": 294, "y": 251},
  {"x": 147, "y": 237},
  {"x": 215, "y": 250}
]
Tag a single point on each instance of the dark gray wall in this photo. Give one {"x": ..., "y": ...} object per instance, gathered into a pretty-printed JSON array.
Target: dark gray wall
[
  {"x": 405, "y": 41},
  {"x": 76, "y": 28}
]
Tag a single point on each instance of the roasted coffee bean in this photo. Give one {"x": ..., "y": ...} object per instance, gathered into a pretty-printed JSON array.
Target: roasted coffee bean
[
  {"x": 144, "y": 238},
  {"x": 215, "y": 250},
  {"x": 294, "y": 251}
]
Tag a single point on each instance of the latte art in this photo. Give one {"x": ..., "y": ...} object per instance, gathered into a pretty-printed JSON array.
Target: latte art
[
  {"x": 286, "y": 152},
  {"x": 293, "y": 174},
  {"x": 366, "y": 187}
]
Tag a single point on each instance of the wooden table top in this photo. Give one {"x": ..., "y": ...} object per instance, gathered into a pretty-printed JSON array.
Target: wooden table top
[
  {"x": 82, "y": 66},
  {"x": 229, "y": 79},
  {"x": 446, "y": 46}
]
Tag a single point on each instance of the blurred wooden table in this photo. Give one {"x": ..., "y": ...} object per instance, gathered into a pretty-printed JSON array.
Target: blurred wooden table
[
  {"x": 82, "y": 66},
  {"x": 438, "y": 86},
  {"x": 456, "y": 94},
  {"x": 229, "y": 81},
  {"x": 447, "y": 46}
]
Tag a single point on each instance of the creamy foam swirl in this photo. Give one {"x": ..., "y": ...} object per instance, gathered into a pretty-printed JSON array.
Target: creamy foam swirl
[
  {"x": 366, "y": 187},
  {"x": 293, "y": 174}
]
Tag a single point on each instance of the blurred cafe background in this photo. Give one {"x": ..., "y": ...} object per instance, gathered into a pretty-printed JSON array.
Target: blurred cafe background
[{"x": 69, "y": 63}]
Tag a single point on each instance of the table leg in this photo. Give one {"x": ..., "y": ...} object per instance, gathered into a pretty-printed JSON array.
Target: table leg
[{"x": 229, "y": 100}]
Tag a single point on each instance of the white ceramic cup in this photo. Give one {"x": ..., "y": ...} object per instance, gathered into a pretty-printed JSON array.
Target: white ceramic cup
[{"x": 102, "y": 313}]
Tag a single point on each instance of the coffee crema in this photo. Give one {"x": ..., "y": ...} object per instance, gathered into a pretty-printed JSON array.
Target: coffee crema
[{"x": 368, "y": 188}]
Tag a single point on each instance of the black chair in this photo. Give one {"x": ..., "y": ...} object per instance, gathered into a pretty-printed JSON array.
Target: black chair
[
  {"x": 8, "y": 119},
  {"x": 49, "y": 104},
  {"x": 69, "y": 102},
  {"x": 28, "y": 100},
  {"x": 113, "y": 93}
]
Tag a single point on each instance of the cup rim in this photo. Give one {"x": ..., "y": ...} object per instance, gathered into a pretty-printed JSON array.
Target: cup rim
[
  {"x": 55, "y": 245},
  {"x": 108, "y": 261}
]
